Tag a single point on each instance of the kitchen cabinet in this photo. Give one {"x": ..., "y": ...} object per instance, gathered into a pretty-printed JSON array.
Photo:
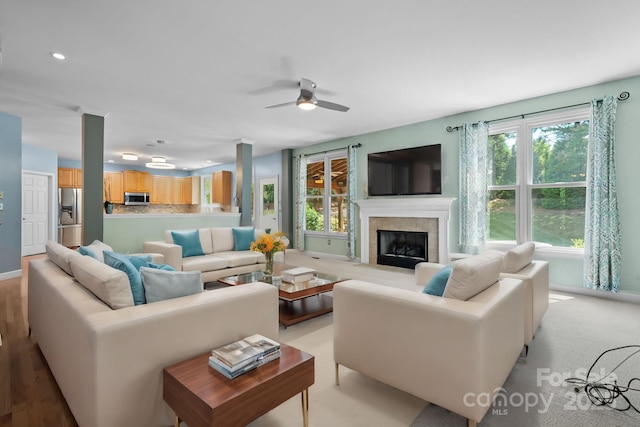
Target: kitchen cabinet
[
  {"x": 221, "y": 189},
  {"x": 195, "y": 190},
  {"x": 113, "y": 187},
  {"x": 160, "y": 190},
  {"x": 177, "y": 195},
  {"x": 137, "y": 181},
  {"x": 69, "y": 178}
]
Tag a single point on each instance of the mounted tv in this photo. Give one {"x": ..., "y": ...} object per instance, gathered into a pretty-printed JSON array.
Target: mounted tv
[{"x": 405, "y": 172}]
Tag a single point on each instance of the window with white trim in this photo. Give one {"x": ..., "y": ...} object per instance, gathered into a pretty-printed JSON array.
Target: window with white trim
[
  {"x": 326, "y": 210},
  {"x": 537, "y": 180}
]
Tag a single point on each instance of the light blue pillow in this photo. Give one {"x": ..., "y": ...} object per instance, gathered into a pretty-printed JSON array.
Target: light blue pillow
[
  {"x": 120, "y": 262},
  {"x": 438, "y": 281},
  {"x": 139, "y": 260},
  {"x": 243, "y": 237},
  {"x": 88, "y": 252},
  {"x": 160, "y": 285},
  {"x": 166, "y": 267},
  {"x": 190, "y": 242}
]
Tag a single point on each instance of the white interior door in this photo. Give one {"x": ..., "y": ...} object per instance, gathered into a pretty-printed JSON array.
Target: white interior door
[
  {"x": 268, "y": 203},
  {"x": 35, "y": 213}
]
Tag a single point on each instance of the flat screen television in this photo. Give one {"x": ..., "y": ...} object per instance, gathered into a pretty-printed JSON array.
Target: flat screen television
[{"x": 405, "y": 172}]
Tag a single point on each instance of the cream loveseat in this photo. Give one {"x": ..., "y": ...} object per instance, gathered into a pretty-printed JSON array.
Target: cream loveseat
[
  {"x": 517, "y": 263},
  {"x": 108, "y": 363},
  {"x": 220, "y": 256},
  {"x": 449, "y": 352}
]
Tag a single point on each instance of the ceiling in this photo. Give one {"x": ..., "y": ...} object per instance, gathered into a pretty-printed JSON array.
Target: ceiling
[{"x": 199, "y": 74}]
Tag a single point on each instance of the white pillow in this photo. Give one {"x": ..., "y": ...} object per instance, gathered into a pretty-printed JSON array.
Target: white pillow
[
  {"x": 518, "y": 258},
  {"x": 97, "y": 248},
  {"x": 108, "y": 284},
  {"x": 472, "y": 275},
  {"x": 60, "y": 255},
  {"x": 160, "y": 285}
]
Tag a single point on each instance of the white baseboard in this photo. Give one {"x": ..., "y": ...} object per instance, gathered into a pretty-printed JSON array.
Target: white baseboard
[
  {"x": 325, "y": 255},
  {"x": 11, "y": 274},
  {"x": 618, "y": 296}
]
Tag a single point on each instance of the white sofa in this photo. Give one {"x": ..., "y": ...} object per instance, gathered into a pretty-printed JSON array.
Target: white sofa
[
  {"x": 220, "y": 258},
  {"x": 449, "y": 352},
  {"x": 108, "y": 363},
  {"x": 517, "y": 264}
]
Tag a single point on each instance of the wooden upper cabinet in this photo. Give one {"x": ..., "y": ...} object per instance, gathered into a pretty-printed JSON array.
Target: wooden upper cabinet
[
  {"x": 222, "y": 189},
  {"x": 160, "y": 190},
  {"x": 69, "y": 178},
  {"x": 137, "y": 182},
  {"x": 177, "y": 197},
  {"x": 113, "y": 187}
]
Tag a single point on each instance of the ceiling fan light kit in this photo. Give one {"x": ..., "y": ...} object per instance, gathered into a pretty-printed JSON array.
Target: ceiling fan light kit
[{"x": 308, "y": 101}]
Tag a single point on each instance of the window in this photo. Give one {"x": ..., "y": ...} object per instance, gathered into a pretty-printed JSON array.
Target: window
[
  {"x": 327, "y": 194},
  {"x": 537, "y": 180}
]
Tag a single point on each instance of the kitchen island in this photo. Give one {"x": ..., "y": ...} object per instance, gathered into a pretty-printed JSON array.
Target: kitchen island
[{"x": 126, "y": 233}]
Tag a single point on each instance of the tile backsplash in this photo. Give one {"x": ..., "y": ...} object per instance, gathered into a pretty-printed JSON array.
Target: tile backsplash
[{"x": 155, "y": 209}]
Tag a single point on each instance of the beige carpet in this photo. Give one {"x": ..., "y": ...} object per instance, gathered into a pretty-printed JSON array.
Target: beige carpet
[{"x": 575, "y": 330}]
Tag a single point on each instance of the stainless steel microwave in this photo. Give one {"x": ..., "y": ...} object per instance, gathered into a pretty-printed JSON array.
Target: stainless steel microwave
[{"x": 136, "y": 199}]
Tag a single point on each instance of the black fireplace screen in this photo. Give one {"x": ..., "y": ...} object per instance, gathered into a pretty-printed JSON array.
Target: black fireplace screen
[{"x": 402, "y": 248}]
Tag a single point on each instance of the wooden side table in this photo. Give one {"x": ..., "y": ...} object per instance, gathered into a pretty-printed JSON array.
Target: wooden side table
[{"x": 202, "y": 397}]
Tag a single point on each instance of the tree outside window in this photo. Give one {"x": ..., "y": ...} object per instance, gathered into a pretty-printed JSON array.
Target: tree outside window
[
  {"x": 326, "y": 210},
  {"x": 537, "y": 181}
]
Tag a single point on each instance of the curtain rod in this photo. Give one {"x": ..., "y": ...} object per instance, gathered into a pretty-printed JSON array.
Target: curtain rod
[
  {"x": 358, "y": 145},
  {"x": 622, "y": 97}
]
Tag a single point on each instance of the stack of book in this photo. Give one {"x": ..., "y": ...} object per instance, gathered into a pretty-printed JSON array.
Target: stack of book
[
  {"x": 298, "y": 274},
  {"x": 241, "y": 356}
]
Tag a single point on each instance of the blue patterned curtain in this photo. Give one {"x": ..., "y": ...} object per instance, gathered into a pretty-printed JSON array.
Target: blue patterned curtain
[
  {"x": 602, "y": 223},
  {"x": 473, "y": 186},
  {"x": 351, "y": 202},
  {"x": 301, "y": 201}
]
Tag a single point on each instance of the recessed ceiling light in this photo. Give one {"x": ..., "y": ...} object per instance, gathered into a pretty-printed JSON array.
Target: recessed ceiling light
[
  {"x": 158, "y": 160},
  {"x": 209, "y": 161},
  {"x": 58, "y": 56},
  {"x": 129, "y": 156},
  {"x": 110, "y": 161}
]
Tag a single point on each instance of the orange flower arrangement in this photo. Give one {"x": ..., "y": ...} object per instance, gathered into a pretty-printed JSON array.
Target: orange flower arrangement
[{"x": 270, "y": 243}]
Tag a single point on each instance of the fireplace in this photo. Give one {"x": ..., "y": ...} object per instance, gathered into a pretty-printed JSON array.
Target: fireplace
[
  {"x": 402, "y": 248},
  {"x": 426, "y": 214}
]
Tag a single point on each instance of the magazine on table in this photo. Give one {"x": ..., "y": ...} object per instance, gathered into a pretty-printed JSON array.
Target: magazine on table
[
  {"x": 298, "y": 274},
  {"x": 245, "y": 351},
  {"x": 233, "y": 373}
]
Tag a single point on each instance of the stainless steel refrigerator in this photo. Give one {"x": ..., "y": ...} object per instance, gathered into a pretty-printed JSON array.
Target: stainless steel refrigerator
[{"x": 70, "y": 216}]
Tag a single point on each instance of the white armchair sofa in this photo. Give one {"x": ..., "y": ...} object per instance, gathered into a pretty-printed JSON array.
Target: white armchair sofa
[
  {"x": 443, "y": 350},
  {"x": 517, "y": 263},
  {"x": 220, "y": 257}
]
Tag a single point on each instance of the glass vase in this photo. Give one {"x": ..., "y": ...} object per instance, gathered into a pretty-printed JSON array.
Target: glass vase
[{"x": 268, "y": 265}]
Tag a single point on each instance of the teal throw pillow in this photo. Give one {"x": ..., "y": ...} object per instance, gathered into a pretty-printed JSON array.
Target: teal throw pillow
[
  {"x": 160, "y": 285},
  {"x": 438, "y": 281},
  {"x": 165, "y": 267},
  {"x": 139, "y": 260},
  {"x": 243, "y": 237},
  {"x": 120, "y": 262},
  {"x": 190, "y": 242},
  {"x": 88, "y": 252}
]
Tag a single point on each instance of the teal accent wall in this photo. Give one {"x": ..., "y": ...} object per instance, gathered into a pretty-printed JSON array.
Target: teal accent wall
[
  {"x": 127, "y": 233},
  {"x": 564, "y": 271},
  {"x": 11, "y": 186}
]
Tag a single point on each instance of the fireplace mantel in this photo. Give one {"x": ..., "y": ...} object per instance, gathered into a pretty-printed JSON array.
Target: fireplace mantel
[{"x": 426, "y": 207}]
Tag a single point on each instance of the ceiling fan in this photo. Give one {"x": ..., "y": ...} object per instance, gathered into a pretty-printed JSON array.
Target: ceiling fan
[{"x": 308, "y": 101}]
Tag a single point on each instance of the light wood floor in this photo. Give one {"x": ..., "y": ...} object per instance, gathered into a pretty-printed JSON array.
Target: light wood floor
[{"x": 29, "y": 395}]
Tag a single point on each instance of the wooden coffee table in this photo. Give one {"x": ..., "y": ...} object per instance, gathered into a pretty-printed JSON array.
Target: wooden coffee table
[
  {"x": 202, "y": 397},
  {"x": 296, "y": 304}
]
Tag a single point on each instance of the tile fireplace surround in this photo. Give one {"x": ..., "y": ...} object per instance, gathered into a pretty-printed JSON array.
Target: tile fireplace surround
[{"x": 405, "y": 214}]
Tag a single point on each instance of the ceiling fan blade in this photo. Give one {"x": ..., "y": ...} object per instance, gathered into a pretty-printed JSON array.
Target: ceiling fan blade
[
  {"x": 332, "y": 106},
  {"x": 281, "y": 105}
]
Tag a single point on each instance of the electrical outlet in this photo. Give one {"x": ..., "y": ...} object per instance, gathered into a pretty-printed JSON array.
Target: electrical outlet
[{"x": 329, "y": 242}]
